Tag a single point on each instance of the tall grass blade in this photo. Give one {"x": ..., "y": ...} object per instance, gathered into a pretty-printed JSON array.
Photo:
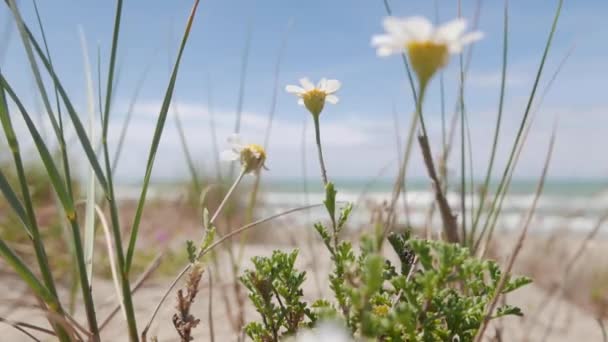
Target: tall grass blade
[
  {"x": 214, "y": 143},
  {"x": 501, "y": 187},
  {"x": 156, "y": 139},
  {"x": 503, "y": 77},
  {"x": 196, "y": 179},
  {"x": 66, "y": 202},
  {"x": 241, "y": 94},
  {"x": 89, "y": 218},
  {"x": 13, "y": 201},
  {"x": 5, "y": 37},
  {"x": 78, "y": 126},
  {"x": 125, "y": 126},
  {"x": 13, "y": 260}
]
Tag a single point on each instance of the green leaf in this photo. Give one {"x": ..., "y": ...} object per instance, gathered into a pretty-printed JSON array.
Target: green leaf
[
  {"x": 516, "y": 284},
  {"x": 209, "y": 237},
  {"x": 508, "y": 310},
  {"x": 330, "y": 201},
  {"x": 191, "y": 250}
]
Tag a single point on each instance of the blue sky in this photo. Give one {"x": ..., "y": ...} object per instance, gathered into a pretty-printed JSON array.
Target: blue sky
[{"x": 328, "y": 39}]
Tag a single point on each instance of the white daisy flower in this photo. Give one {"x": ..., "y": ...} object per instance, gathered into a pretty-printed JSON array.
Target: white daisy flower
[
  {"x": 428, "y": 48},
  {"x": 251, "y": 156},
  {"x": 313, "y": 98}
]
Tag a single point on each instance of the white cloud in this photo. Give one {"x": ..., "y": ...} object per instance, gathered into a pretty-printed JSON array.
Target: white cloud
[{"x": 353, "y": 147}]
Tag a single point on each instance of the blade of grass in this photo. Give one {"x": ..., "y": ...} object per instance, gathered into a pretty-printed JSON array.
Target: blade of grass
[
  {"x": 13, "y": 260},
  {"x": 214, "y": 143},
  {"x": 441, "y": 88},
  {"x": 62, "y": 150},
  {"x": 15, "y": 203},
  {"x": 79, "y": 128},
  {"x": 242, "y": 81},
  {"x": 486, "y": 183},
  {"x": 89, "y": 219},
  {"x": 501, "y": 187},
  {"x": 463, "y": 183},
  {"x": 30, "y": 220},
  {"x": 196, "y": 179},
  {"x": 125, "y": 126},
  {"x": 66, "y": 202},
  {"x": 194, "y": 174},
  {"x": 496, "y": 213},
  {"x": 156, "y": 139},
  {"x": 34, "y": 67},
  {"x": 5, "y": 37}
]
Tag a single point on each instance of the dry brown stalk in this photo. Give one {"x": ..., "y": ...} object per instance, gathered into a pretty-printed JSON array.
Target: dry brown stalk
[
  {"x": 450, "y": 227},
  {"x": 183, "y": 320}
]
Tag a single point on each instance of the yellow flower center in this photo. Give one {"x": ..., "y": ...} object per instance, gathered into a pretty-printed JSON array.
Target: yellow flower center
[
  {"x": 381, "y": 310},
  {"x": 427, "y": 57},
  {"x": 314, "y": 100},
  {"x": 253, "y": 157}
]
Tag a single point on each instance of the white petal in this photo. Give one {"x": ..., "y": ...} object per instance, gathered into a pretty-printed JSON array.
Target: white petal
[
  {"x": 333, "y": 99},
  {"x": 332, "y": 86},
  {"x": 234, "y": 139},
  {"x": 456, "y": 46},
  {"x": 229, "y": 155},
  {"x": 306, "y": 84},
  {"x": 393, "y": 25},
  {"x": 294, "y": 89},
  {"x": 471, "y": 37},
  {"x": 385, "y": 51},
  {"x": 301, "y": 102},
  {"x": 418, "y": 28},
  {"x": 382, "y": 39},
  {"x": 450, "y": 31},
  {"x": 321, "y": 84}
]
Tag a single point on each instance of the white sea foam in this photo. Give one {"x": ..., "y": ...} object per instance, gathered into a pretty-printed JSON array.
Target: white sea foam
[{"x": 555, "y": 211}]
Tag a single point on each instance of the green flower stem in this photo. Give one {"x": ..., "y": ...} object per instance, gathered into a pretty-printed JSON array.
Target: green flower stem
[
  {"x": 230, "y": 191},
  {"x": 248, "y": 216},
  {"x": 421, "y": 93},
  {"x": 319, "y": 149}
]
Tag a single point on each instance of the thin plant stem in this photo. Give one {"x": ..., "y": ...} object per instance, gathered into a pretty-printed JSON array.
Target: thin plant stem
[
  {"x": 242, "y": 82},
  {"x": 441, "y": 91},
  {"x": 320, "y": 149},
  {"x": 463, "y": 156},
  {"x": 228, "y": 194},
  {"x": 214, "y": 143},
  {"x": 486, "y": 183}
]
